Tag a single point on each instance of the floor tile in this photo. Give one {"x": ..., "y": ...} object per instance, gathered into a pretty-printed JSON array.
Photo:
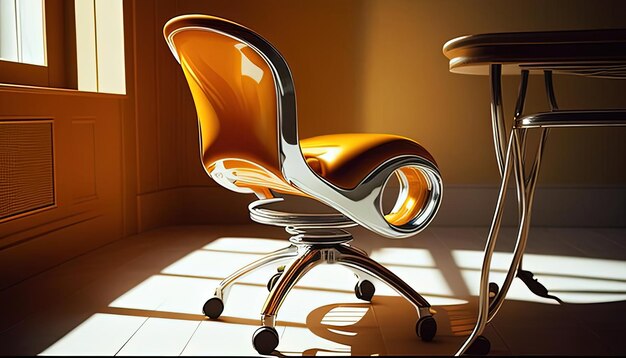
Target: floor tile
[
  {"x": 160, "y": 337},
  {"x": 101, "y": 334}
]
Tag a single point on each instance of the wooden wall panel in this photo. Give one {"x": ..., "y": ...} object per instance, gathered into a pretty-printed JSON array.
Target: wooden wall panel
[
  {"x": 84, "y": 159},
  {"x": 168, "y": 114},
  {"x": 88, "y": 160},
  {"x": 160, "y": 122},
  {"x": 94, "y": 138},
  {"x": 146, "y": 104}
]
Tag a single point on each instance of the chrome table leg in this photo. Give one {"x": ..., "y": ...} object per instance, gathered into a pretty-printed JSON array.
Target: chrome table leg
[{"x": 483, "y": 297}]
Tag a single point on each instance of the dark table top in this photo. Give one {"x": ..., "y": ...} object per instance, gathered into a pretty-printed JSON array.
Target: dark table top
[{"x": 597, "y": 53}]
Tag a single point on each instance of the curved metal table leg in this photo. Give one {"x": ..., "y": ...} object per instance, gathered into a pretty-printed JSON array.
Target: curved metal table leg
[
  {"x": 516, "y": 156},
  {"x": 224, "y": 287},
  {"x": 483, "y": 297},
  {"x": 526, "y": 192}
]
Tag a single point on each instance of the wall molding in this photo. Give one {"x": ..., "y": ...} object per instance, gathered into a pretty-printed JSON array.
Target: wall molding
[{"x": 192, "y": 205}]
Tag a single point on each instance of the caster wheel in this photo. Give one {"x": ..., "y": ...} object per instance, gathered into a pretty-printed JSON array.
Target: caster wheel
[
  {"x": 426, "y": 328},
  {"x": 480, "y": 347},
  {"x": 493, "y": 289},
  {"x": 364, "y": 290},
  {"x": 265, "y": 340},
  {"x": 213, "y": 308},
  {"x": 272, "y": 282}
]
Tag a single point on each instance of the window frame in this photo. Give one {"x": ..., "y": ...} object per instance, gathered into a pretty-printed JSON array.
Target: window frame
[{"x": 60, "y": 44}]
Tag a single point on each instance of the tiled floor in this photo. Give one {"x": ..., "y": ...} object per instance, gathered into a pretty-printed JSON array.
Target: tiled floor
[{"x": 143, "y": 296}]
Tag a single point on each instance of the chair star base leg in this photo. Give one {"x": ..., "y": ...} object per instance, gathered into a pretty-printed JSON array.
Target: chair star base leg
[{"x": 365, "y": 268}]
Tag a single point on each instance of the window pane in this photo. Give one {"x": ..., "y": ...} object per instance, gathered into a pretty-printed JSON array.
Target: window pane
[
  {"x": 8, "y": 31},
  {"x": 110, "y": 40},
  {"x": 86, "y": 45},
  {"x": 31, "y": 30},
  {"x": 22, "y": 31},
  {"x": 100, "y": 46}
]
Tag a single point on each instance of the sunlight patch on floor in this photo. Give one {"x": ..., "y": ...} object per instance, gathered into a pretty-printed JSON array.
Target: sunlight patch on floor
[
  {"x": 101, "y": 334},
  {"x": 403, "y": 256},
  {"x": 321, "y": 315},
  {"x": 245, "y": 244},
  {"x": 572, "y": 279},
  {"x": 344, "y": 316},
  {"x": 160, "y": 336}
]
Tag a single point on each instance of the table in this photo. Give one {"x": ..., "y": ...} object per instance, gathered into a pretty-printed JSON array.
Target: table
[{"x": 591, "y": 53}]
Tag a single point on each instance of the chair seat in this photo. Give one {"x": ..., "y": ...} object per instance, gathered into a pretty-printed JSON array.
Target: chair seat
[
  {"x": 342, "y": 159},
  {"x": 346, "y": 159},
  {"x": 581, "y": 118}
]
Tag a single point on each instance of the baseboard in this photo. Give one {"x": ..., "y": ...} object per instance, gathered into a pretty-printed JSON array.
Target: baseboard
[
  {"x": 553, "y": 206},
  {"x": 192, "y": 205},
  {"x": 215, "y": 205}
]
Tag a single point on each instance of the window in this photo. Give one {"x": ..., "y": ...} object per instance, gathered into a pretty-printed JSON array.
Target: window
[
  {"x": 76, "y": 44},
  {"x": 22, "y": 24},
  {"x": 100, "y": 46}
]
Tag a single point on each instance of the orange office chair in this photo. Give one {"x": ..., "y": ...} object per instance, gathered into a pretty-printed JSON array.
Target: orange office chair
[{"x": 245, "y": 101}]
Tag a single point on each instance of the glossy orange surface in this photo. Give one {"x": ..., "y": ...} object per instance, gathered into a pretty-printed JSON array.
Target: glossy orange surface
[
  {"x": 415, "y": 199},
  {"x": 346, "y": 159},
  {"x": 235, "y": 97}
]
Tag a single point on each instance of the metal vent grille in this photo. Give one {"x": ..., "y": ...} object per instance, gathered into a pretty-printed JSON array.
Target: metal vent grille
[{"x": 26, "y": 167}]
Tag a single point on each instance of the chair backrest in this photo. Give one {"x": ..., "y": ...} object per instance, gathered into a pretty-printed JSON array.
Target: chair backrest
[
  {"x": 245, "y": 101},
  {"x": 239, "y": 95}
]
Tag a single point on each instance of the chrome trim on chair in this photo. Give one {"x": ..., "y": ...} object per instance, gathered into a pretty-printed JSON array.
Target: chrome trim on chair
[
  {"x": 268, "y": 216},
  {"x": 307, "y": 259},
  {"x": 357, "y": 260},
  {"x": 320, "y": 238},
  {"x": 403, "y": 192},
  {"x": 362, "y": 204}
]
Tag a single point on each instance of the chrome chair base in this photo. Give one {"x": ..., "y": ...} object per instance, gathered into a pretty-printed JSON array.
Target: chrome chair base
[{"x": 311, "y": 245}]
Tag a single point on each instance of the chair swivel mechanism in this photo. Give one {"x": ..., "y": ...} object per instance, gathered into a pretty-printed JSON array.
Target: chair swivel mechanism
[{"x": 246, "y": 107}]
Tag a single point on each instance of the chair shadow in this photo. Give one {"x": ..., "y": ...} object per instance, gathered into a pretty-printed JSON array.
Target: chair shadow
[
  {"x": 362, "y": 338},
  {"x": 388, "y": 327},
  {"x": 385, "y": 326}
]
